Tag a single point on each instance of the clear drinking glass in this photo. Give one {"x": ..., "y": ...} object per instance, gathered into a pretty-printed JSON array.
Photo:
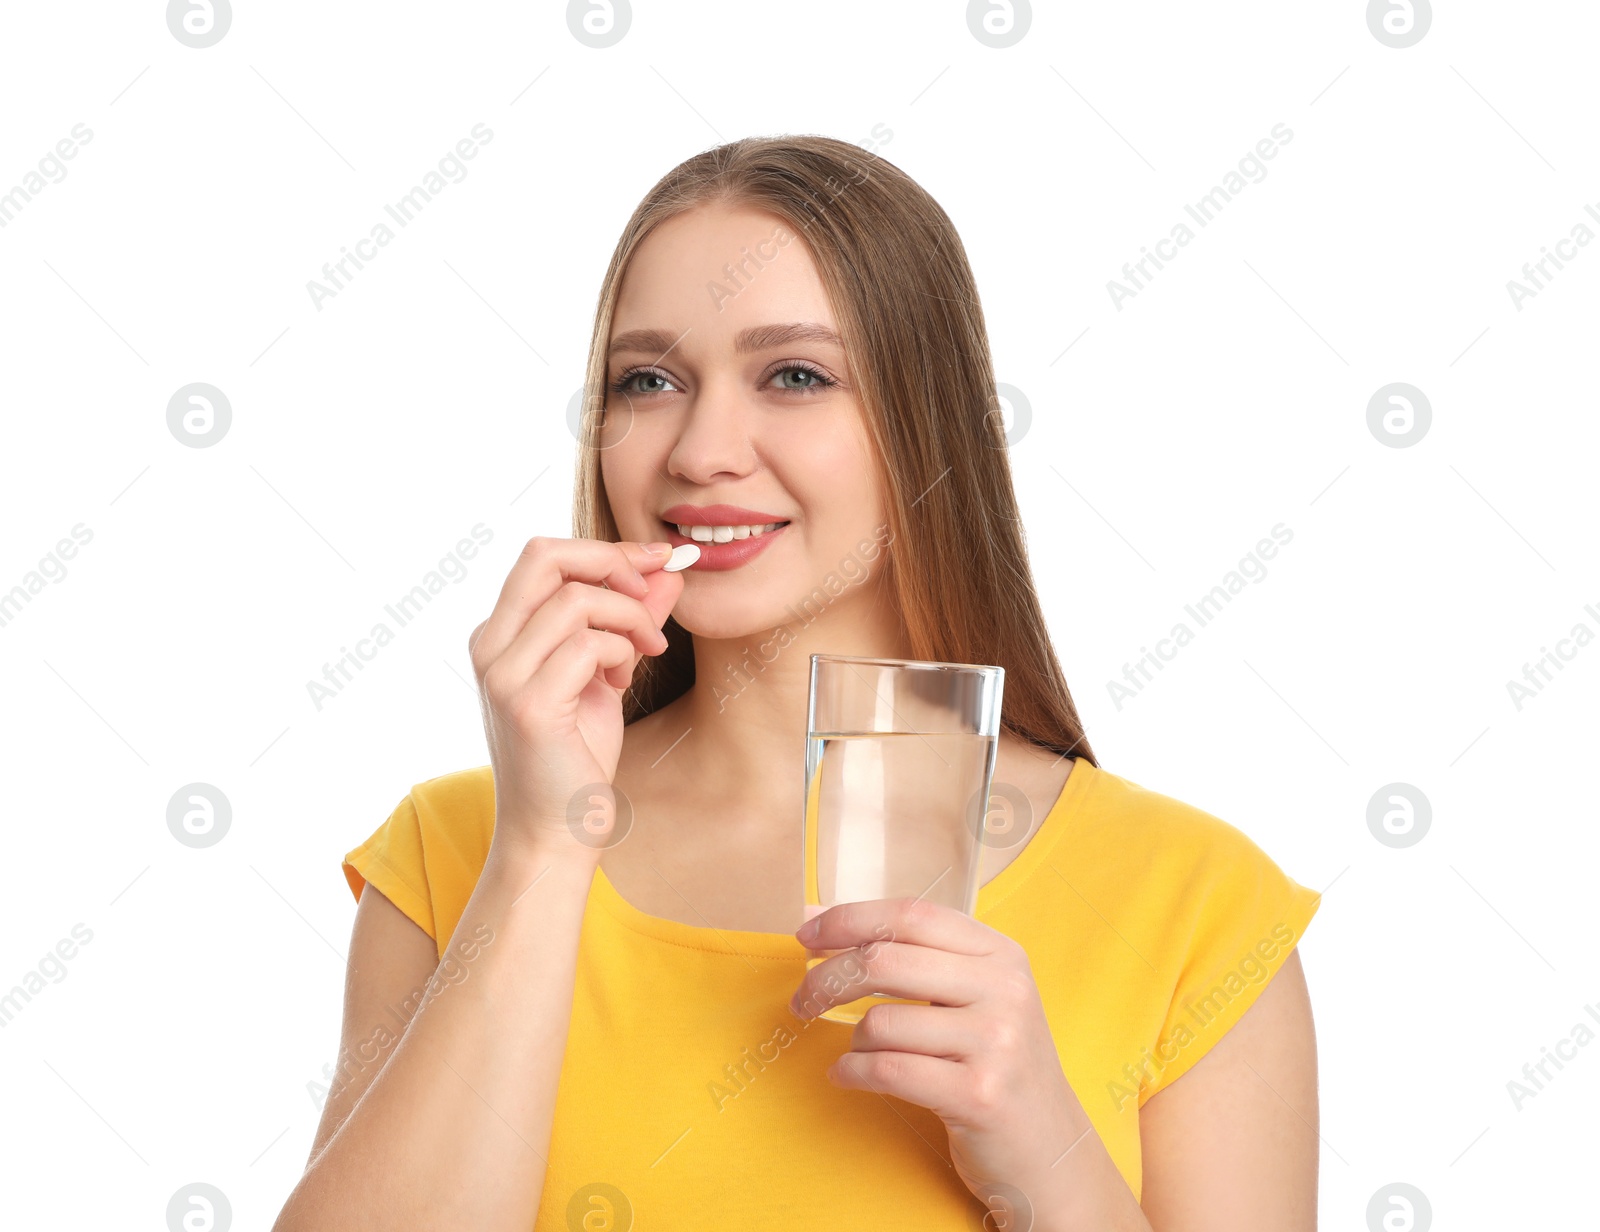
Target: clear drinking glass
[{"x": 900, "y": 759}]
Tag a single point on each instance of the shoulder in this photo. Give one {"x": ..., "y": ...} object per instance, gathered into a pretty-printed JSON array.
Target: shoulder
[
  {"x": 1169, "y": 849},
  {"x": 427, "y": 855},
  {"x": 1156, "y": 816},
  {"x": 1211, "y": 914},
  {"x": 455, "y": 814},
  {"x": 461, "y": 799},
  {"x": 1181, "y": 901}
]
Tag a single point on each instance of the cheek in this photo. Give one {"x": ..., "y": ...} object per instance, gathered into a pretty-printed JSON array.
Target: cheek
[
  {"x": 629, "y": 464},
  {"x": 834, "y": 466},
  {"x": 854, "y": 495},
  {"x": 837, "y": 491},
  {"x": 623, "y": 480}
]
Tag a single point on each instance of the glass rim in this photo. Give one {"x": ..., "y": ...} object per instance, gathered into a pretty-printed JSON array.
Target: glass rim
[{"x": 924, "y": 664}]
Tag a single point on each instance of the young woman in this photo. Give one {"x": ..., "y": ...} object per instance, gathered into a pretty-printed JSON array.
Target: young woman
[{"x": 561, "y": 1025}]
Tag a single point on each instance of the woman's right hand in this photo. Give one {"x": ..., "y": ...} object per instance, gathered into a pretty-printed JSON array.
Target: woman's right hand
[{"x": 552, "y": 662}]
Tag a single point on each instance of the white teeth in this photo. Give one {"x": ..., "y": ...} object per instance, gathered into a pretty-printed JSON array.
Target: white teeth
[{"x": 722, "y": 534}]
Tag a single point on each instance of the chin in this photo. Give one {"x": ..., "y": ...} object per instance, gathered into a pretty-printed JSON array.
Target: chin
[{"x": 725, "y": 622}]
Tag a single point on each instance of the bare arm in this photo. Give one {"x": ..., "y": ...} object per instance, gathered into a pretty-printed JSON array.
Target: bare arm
[
  {"x": 1233, "y": 1143},
  {"x": 390, "y": 963},
  {"x": 451, "y": 1129},
  {"x": 450, "y": 1126}
]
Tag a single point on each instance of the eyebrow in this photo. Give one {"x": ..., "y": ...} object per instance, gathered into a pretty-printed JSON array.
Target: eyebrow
[{"x": 756, "y": 338}]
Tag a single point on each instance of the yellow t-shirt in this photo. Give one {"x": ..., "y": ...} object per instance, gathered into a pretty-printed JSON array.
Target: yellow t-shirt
[{"x": 690, "y": 1096}]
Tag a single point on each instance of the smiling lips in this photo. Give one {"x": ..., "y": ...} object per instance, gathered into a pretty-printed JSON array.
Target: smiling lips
[
  {"x": 724, "y": 534},
  {"x": 727, "y": 535}
]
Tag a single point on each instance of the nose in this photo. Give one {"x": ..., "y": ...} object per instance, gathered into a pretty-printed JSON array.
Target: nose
[{"x": 714, "y": 437}]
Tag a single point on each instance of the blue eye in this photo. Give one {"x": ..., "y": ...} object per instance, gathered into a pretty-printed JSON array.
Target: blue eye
[
  {"x": 819, "y": 380},
  {"x": 620, "y": 385}
]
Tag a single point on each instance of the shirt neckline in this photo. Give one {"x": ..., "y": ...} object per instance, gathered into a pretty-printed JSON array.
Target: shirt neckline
[{"x": 784, "y": 945}]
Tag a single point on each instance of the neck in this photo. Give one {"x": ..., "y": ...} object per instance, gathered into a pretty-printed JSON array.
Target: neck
[{"x": 746, "y": 710}]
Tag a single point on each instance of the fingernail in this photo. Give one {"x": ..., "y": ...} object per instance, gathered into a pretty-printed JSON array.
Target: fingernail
[
  {"x": 656, "y": 549},
  {"x": 684, "y": 555}
]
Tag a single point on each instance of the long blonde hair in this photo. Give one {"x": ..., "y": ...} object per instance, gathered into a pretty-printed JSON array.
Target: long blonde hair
[{"x": 906, "y": 305}]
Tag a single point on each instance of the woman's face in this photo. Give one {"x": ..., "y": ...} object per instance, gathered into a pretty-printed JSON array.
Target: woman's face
[{"x": 726, "y": 385}]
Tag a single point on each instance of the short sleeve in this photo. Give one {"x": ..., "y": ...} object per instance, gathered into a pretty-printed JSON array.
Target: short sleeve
[
  {"x": 1238, "y": 918},
  {"x": 393, "y": 860}
]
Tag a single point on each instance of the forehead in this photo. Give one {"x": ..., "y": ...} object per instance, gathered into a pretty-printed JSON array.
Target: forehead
[{"x": 717, "y": 270}]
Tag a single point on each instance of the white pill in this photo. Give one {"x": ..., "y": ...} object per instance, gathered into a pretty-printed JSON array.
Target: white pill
[{"x": 684, "y": 555}]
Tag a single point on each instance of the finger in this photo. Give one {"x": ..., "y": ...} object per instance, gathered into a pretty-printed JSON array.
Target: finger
[
  {"x": 566, "y": 673},
  {"x": 953, "y": 1032},
  {"x": 543, "y": 567},
  {"x": 932, "y": 1082},
  {"x": 577, "y": 605},
  {"x": 895, "y": 968},
  {"x": 662, "y": 593},
  {"x": 649, "y": 562},
  {"x": 662, "y": 589},
  {"x": 916, "y": 920}
]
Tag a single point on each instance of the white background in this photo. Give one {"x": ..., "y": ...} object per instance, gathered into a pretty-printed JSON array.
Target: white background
[{"x": 1167, "y": 437}]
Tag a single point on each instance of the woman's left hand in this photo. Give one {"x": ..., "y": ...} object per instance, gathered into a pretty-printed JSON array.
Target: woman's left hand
[{"x": 980, "y": 1055}]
